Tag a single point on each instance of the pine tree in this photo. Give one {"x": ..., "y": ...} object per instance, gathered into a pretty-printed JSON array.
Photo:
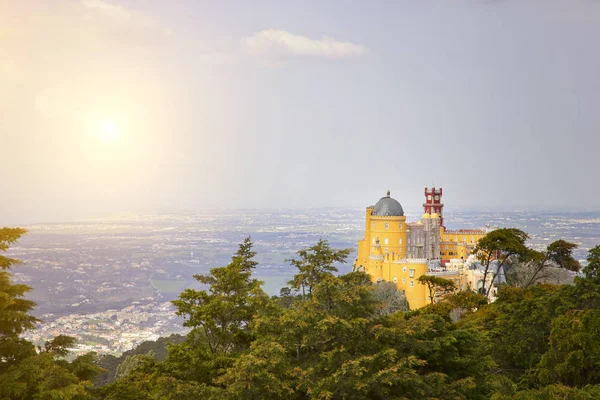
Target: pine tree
[{"x": 14, "y": 308}]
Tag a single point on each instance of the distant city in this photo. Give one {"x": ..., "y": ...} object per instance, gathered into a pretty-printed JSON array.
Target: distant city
[{"x": 109, "y": 282}]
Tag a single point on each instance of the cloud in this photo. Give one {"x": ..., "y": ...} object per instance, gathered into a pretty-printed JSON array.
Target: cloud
[
  {"x": 272, "y": 43},
  {"x": 110, "y": 10},
  {"x": 114, "y": 17}
]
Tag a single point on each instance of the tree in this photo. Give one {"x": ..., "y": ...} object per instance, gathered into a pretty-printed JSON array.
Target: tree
[
  {"x": 552, "y": 392},
  {"x": 25, "y": 374},
  {"x": 500, "y": 246},
  {"x": 14, "y": 308},
  {"x": 436, "y": 286},
  {"x": 389, "y": 299},
  {"x": 158, "y": 347},
  {"x": 221, "y": 316},
  {"x": 560, "y": 253},
  {"x": 587, "y": 288},
  {"x": 467, "y": 301},
  {"x": 132, "y": 362},
  {"x": 314, "y": 263},
  {"x": 592, "y": 269},
  {"x": 59, "y": 345},
  {"x": 286, "y": 297},
  {"x": 573, "y": 357},
  {"x": 518, "y": 326},
  {"x": 540, "y": 266}
]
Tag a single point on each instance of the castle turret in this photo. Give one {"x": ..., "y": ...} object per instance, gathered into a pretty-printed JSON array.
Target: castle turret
[{"x": 433, "y": 203}]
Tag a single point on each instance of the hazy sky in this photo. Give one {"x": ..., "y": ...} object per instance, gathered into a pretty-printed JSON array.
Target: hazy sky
[{"x": 153, "y": 105}]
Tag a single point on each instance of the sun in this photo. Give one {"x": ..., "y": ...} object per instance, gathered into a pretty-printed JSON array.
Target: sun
[{"x": 108, "y": 129}]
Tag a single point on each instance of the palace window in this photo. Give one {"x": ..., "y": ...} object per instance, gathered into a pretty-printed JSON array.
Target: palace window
[
  {"x": 404, "y": 269},
  {"x": 372, "y": 225},
  {"x": 400, "y": 250},
  {"x": 400, "y": 241},
  {"x": 412, "y": 283},
  {"x": 386, "y": 225},
  {"x": 373, "y": 240},
  {"x": 400, "y": 226},
  {"x": 386, "y": 241},
  {"x": 403, "y": 280},
  {"x": 386, "y": 249},
  {"x": 411, "y": 273},
  {"x": 395, "y": 280}
]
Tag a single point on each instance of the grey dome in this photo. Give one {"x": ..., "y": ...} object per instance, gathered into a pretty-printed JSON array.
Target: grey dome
[{"x": 387, "y": 206}]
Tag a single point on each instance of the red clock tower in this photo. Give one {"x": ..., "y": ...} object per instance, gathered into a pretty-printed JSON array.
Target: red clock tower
[{"x": 433, "y": 203}]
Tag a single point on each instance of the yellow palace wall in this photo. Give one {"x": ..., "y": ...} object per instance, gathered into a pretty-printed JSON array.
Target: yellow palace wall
[
  {"x": 403, "y": 273},
  {"x": 382, "y": 254}
]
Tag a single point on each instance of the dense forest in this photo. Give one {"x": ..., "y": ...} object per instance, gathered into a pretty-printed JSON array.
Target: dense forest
[{"x": 333, "y": 336}]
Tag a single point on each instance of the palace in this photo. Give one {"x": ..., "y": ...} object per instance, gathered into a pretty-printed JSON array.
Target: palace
[{"x": 398, "y": 251}]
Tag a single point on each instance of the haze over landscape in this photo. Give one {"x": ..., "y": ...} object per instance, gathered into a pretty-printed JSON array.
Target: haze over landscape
[
  {"x": 113, "y": 107},
  {"x": 299, "y": 199}
]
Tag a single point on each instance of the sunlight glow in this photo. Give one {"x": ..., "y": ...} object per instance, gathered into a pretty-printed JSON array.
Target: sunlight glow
[{"x": 108, "y": 129}]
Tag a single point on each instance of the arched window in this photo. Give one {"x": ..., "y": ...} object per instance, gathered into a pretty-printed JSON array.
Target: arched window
[
  {"x": 400, "y": 241},
  {"x": 395, "y": 280},
  {"x": 400, "y": 226},
  {"x": 386, "y": 225},
  {"x": 386, "y": 241}
]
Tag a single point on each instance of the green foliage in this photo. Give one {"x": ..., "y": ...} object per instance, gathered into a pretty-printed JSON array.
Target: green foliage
[
  {"x": 573, "y": 357},
  {"x": 503, "y": 246},
  {"x": 540, "y": 266},
  {"x": 132, "y": 362},
  {"x": 552, "y": 392},
  {"x": 561, "y": 253},
  {"x": 221, "y": 316},
  {"x": 14, "y": 308},
  {"x": 59, "y": 346},
  {"x": 518, "y": 327},
  {"x": 592, "y": 269},
  {"x": 41, "y": 377},
  {"x": 388, "y": 297},
  {"x": 286, "y": 297},
  {"x": 110, "y": 363},
  {"x": 587, "y": 288},
  {"x": 349, "y": 339},
  {"x": 467, "y": 301},
  {"x": 25, "y": 374},
  {"x": 437, "y": 287},
  {"x": 314, "y": 263}
]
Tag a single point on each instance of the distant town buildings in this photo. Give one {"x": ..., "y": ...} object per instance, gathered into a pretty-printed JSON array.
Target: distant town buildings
[{"x": 112, "y": 331}]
